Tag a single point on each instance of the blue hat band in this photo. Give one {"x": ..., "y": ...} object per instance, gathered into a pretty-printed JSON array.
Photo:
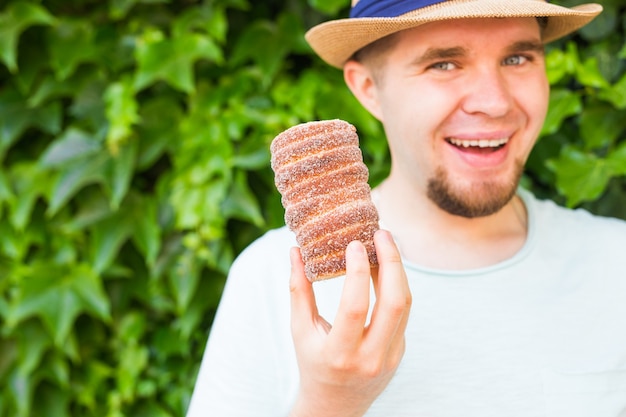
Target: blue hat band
[{"x": 388, "y": 8}]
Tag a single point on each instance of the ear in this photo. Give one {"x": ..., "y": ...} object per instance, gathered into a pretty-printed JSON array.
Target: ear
[{"x": 361, "y": 82}]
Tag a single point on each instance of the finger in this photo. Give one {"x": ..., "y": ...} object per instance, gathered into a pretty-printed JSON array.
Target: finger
[
  {"x": 353, "y": 308},
  {"x": 374, "y": 273},
  {"x": 397, "y": 344},
  {"x": 393, "y": 302},
  {"x": 303, "y": 306}
]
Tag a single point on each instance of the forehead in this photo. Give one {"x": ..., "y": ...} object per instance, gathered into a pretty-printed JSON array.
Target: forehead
[{"x": 484, "y": 31}]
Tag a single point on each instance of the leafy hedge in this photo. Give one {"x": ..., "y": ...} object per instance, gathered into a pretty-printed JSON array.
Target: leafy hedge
[{"x": 134, "y": 166}]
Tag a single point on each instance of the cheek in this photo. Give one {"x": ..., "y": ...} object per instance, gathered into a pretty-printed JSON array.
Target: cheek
[
  {"x": 535, "y": 100},
  {"x": 413, "y": 117},
  {"x": 536, "y": 122},
  {"x": 535, "y": 107},
  {"x": 416, "y": 106}
]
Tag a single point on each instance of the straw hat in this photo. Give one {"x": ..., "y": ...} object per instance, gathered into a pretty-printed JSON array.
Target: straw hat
[{"x": 370, "y": 20}]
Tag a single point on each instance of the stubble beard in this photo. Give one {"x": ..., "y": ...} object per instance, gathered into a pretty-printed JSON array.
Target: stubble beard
[{"x": 482, "y": 199}]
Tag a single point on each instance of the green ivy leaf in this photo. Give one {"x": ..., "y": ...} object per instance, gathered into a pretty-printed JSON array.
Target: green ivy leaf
[
  {"x": 58, "y": 295},
  {"x": 30, "y": 182},
  {"x": 92, "y": 207},
  {"x": 622, "y": 53},
  {"x": 172, "y": 60},
  {"x": 70, "y": 44},
  {"x": 32, "y": 63},
  {"x": 19, "y": 16},
  {"x": 183, "y": 280},
  {"x": 74, "y": 176},
  {"x": 240, "y": 203},
  {"x": 6, "y": 194},
  {"x": 279, "y": 37},
  {"x": 121, "y": 172},
  {"x": 588, "y": 74},
  {"x": 202, "y": 178},
  {"x": 8, "y": 347},
  {"x": 158, "y": 131},
  {"x": 12, "y": 244},
  {"x": 601, "y": 126},
  {"x": 121, "y": 112},
  {"x": 33, "y": 342},
  {"x": 300, "y": 95},
  {"x": 73, "y": 144},
  {"x": 331, "y": 7},
  {"x": 136, "y": 219},
  {"x": 580, "y": 176},
  {"x": 206, "y": 295},
  {"x": 52, "y": 400},
  {"x": 88, "y": 105},
  {"x": 16, "y": 116},
  {"x": 118, "y": 9},
  {"x": 152, "y": 410},
  {"x": 36, "y": 360},
  {"x": 146, "y": 229},
  {"x": 257, "y": 158},
  {"x": 133, "y": 360},
  {"x": 209, "y": 18},
  {"x": 615, "y": 95},
  {"x": 563, "y": 104},
  {"x": 95, "y": 374},
  {"x": 559, "y": 64},
  {"x": 50, "y": 88},
  {"x": 131, "y": 328},
  {"x": 603, "y": 25},
  {"x": 616, "y": 160},
  {"x": 108, "y": 236},
  {"x": 199, "y": 204},
  {"x": 21, "y": 388},
  {"x": 56, "y": 370}
]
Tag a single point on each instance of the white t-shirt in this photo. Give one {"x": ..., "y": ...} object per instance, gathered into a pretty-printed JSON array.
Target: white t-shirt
[{"x": 540, "y": 334}]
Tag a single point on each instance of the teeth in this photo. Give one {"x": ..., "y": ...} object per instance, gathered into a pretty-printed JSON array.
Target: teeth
[{"x": 482, "y": 143}]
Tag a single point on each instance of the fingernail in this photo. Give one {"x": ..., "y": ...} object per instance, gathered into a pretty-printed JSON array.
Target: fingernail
[
  {"x": 384, "y": 234},
  {"x": 356, "y": 247}
]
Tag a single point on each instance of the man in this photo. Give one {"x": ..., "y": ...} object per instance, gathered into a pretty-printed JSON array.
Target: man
[{"x": 487, "y": 302}]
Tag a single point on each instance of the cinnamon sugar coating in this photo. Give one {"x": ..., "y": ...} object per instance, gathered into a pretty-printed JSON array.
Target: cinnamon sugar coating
[{"x": 320, "y": 174}]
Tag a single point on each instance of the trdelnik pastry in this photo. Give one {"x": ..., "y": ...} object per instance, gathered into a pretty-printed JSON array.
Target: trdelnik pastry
[{"x": 320, "y": 174}]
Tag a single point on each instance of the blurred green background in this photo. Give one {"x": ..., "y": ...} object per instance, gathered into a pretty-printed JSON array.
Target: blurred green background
[{"x": 134, "y": 158}]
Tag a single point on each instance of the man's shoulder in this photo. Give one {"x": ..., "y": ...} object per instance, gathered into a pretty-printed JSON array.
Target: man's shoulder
[
  {"x": 578, "y": 226},
  {"x": 578, "y": 218}
]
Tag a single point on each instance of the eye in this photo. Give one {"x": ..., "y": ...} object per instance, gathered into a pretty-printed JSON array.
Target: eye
[
  {"x": 515, "y": 60},
  {"x": 443, "y": 66}
]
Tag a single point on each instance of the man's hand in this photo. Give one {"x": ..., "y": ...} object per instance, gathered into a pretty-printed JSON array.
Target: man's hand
[{"x": 344, "y": 367}]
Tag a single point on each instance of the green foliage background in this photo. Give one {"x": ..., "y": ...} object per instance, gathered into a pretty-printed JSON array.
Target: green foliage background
[{"x": 134, "y": 166}]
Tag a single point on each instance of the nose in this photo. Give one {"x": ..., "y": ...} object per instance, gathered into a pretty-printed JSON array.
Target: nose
[{"x": 488, "y": 92}]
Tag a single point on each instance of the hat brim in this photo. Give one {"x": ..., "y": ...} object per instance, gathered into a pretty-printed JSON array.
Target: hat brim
[{"x": 336, "y": 41}]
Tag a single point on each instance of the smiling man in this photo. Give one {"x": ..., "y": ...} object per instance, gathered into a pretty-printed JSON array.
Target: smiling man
[
  {"x": 462, "y": 109},
  {"x": 486, "y": 102},
  {"x": 487, "y": 301}
]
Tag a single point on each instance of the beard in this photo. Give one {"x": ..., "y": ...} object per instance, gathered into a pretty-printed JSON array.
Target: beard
[{"x": 482, "y": 199}]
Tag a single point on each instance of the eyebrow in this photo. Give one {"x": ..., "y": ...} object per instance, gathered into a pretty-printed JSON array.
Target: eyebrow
[
  {"x": 435, "y": 54},
  {"x": 527, "y": 46}
]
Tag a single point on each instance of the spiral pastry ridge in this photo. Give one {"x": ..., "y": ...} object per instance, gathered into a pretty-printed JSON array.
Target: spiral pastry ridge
[{"x": 320, "y": 174}]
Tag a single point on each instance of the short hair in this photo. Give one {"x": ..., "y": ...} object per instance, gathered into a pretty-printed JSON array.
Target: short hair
[{"x": 373, "y": 54}]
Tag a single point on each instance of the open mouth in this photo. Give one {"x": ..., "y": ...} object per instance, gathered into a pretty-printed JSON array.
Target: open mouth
[{"x": 478, "y": 145}]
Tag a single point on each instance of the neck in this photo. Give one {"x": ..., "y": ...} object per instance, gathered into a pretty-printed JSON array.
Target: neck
[{"x": 434, "y": 238}]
